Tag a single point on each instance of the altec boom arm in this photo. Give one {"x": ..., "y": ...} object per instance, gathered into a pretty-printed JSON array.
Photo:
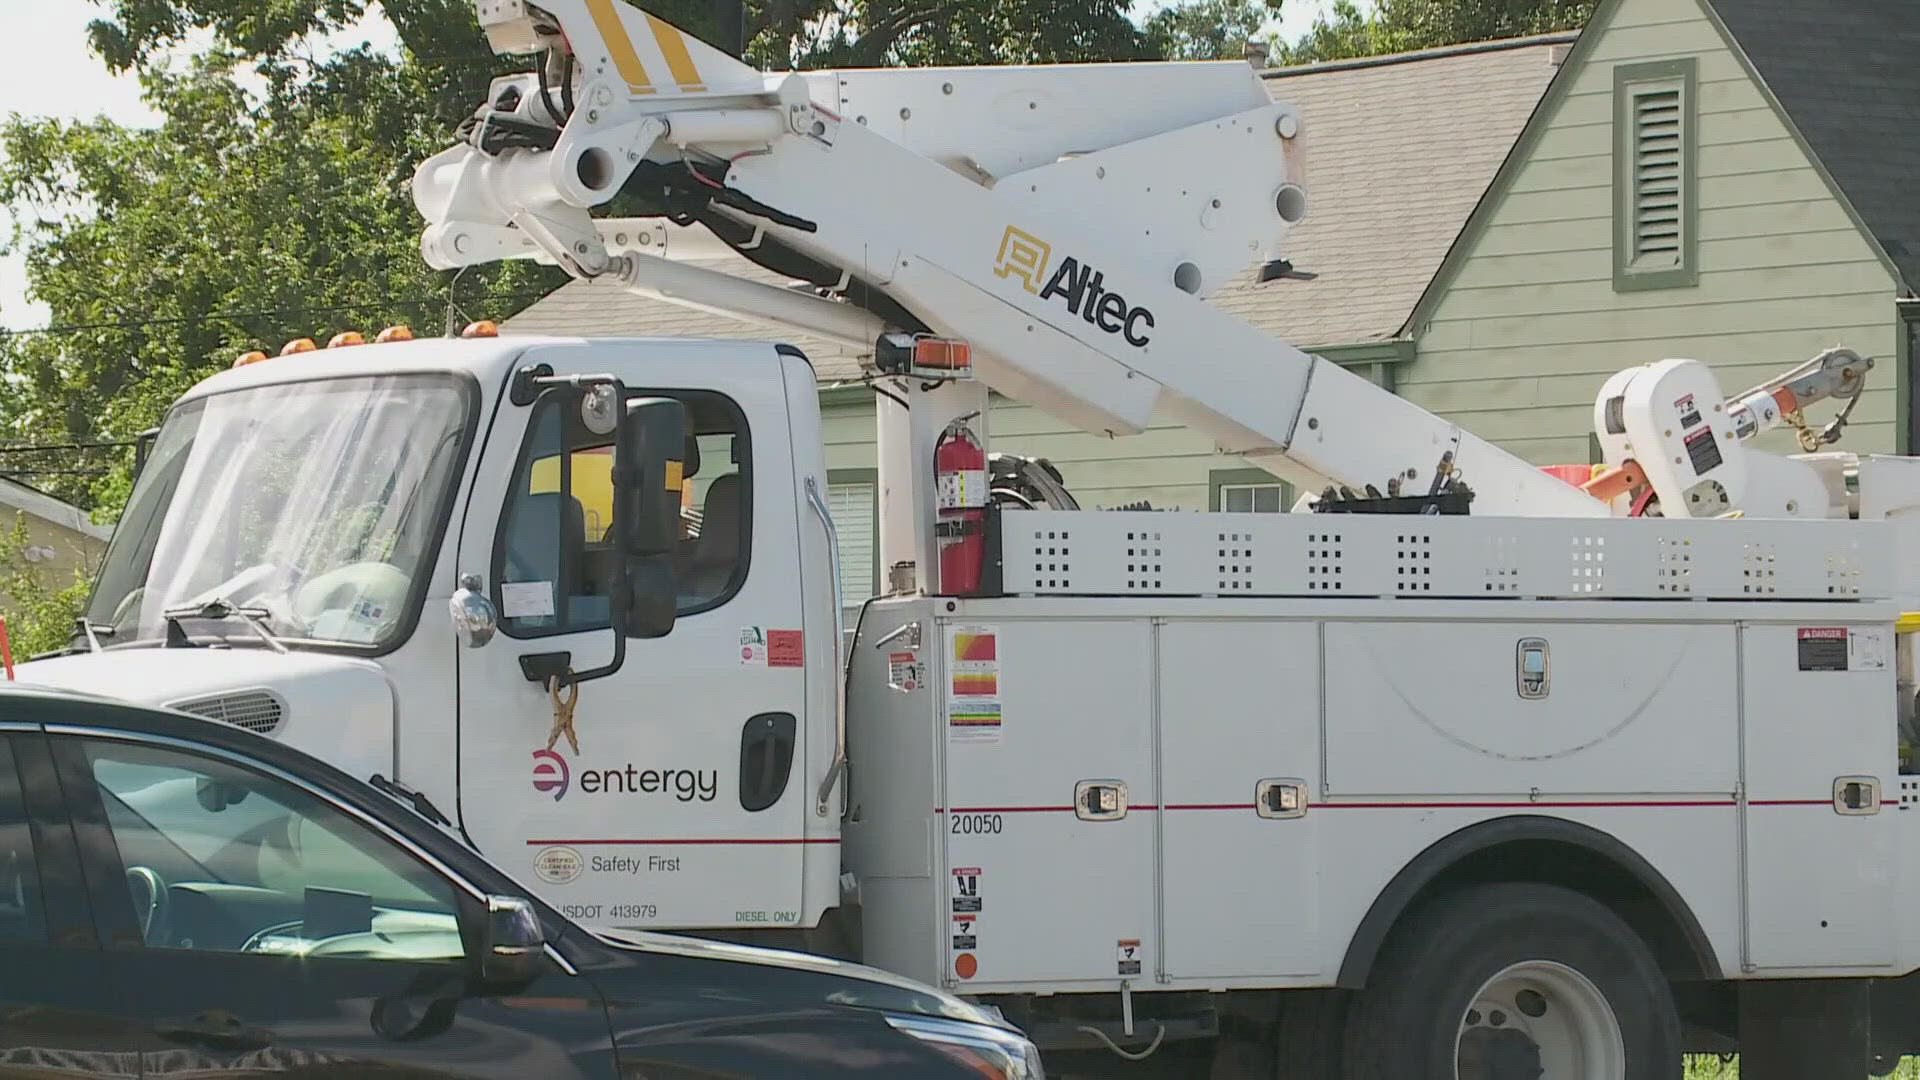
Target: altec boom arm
[{"x": 1067, "y": 221}]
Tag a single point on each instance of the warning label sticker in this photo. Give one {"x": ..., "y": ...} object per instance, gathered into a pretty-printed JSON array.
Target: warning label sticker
[
  {"x": 966, "y": 890},
  {"x": 1867, "y": 649},
  {"x": 1703, "y": 452},
  {"x": 1126, "y": 955},
  {"x": 786, "y": 648},
  {"x": 973, "y": 697},
  {"x": 903, "y": 672},
  {"x": 753, "y": 646},
  {"x": 1689, "y": 412},
  {"x": 965, "y": 935},
  {"x": 1823, "y": 648}
]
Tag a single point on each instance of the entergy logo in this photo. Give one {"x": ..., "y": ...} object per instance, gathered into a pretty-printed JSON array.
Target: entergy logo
[{"x": 550, "y": 773}]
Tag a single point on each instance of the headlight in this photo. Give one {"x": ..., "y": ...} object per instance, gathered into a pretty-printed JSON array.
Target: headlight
[{"x": 996, "y": 1054}]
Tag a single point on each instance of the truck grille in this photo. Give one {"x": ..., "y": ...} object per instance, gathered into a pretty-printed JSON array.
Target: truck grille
[{"x": 256, "y": 710}]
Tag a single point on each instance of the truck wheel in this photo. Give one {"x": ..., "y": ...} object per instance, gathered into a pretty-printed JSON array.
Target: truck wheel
[{"x": 1515, "y": 982}]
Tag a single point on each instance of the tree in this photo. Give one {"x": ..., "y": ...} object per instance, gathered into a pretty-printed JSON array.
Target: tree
[
  {"x": 1405, "y": 25},
  {"x": 234, "y": 225},
  {"x": 1208, "y": 29},
  {"x": 39, "y": 608}
]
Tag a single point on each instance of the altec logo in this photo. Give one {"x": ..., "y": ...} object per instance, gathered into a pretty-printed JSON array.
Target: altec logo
[
  {"x": 550, "y": 773},
  {"x": 1026, "y": 257}
]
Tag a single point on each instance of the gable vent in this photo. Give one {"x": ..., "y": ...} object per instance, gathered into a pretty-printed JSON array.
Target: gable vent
[
  {"x": 1658, "y": 172},
  {"x": 256, "y": 710}
]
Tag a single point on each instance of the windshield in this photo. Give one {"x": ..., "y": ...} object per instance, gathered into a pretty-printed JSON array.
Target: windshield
[{"x": 315, "y": 502}]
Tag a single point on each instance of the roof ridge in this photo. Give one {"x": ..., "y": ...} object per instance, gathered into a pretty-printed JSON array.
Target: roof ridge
[{"x": 1562, "y": 37}]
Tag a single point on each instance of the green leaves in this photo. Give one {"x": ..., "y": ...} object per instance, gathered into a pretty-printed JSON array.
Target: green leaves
[
  {"x": 1406, "y": 25},
  {"x": 241, "y": 222},
  {"x": 38, "y": 604},
  {"x": 1208, "y": 29}
]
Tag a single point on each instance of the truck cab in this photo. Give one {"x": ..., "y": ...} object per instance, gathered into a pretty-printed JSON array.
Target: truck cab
[{"x": 302, "y": 525}]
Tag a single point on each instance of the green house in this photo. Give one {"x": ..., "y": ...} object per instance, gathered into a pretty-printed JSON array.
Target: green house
[{"x": 1727, "y": 180}]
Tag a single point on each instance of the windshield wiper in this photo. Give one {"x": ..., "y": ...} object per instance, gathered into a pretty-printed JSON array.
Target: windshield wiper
[
  {"x": 420, "y": 803},
  {"x": 217, "y": 609}
]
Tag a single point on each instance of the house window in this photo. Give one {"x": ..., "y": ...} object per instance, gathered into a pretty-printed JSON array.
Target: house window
[
  {"x": 1248, "y": 491},
  {"x": 1655, "y": 202},
  {"x": 851, "y": 499}
]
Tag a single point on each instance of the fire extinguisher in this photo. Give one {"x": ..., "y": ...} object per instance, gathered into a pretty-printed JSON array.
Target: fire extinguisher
[{"x": 960, "y": 495}]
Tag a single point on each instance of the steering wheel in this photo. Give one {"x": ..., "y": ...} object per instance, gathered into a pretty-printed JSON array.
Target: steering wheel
[
  {"x": 265, "y": 932},
  {"x": 336, "y": 589},
  {"x": 153, "y": 921}
]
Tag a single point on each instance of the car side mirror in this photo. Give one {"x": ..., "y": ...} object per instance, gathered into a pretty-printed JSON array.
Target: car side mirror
[
  {"x": 648, "y": 474},
  {"x": 512, "y": 943}
]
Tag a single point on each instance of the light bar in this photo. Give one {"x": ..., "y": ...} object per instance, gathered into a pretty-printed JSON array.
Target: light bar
[{"x": 923, "y": 356}]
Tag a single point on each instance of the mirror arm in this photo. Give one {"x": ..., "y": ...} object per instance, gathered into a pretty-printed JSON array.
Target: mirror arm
[{"x": 622, "y": 585}]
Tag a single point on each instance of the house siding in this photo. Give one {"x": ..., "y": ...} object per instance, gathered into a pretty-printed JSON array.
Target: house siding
[
  {"x": 1529, "y": 325},
  {"x": 75, "y": 555}
]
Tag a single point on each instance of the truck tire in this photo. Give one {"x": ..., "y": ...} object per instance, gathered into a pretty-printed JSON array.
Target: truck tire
[{"x": 1514, "y": 982}]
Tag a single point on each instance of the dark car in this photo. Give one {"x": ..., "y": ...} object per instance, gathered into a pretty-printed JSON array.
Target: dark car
[{"x": 182, "y": 898}]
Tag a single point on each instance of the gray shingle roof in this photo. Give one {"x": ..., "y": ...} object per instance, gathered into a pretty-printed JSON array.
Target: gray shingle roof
[
  {"x": 1399, "y": 150},
  {"x": 1848, "y": 73}
]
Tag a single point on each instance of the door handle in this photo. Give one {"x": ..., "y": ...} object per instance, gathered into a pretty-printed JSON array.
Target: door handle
[
  {"x": 221, "y": 1029},
  {"x": 766, "y": 760}
]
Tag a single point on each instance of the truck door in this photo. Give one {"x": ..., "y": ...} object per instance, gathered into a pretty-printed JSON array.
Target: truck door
[{"x": 681, "y": 805}]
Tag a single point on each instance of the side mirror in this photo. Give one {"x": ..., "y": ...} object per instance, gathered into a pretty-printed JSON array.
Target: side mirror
[
  {"x": 511, "y": 941},
  {"x": 648, "y": 473}
]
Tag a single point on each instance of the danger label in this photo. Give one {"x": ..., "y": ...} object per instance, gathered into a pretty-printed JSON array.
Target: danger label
[
  {"x": 1126, "y": 955},
  {"x": 1823, "y": 648},
  {"x": 966, "y": 891}
]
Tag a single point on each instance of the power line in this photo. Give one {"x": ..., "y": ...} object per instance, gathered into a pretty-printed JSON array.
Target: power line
[
  {"x": 236, "y": 316},
  {"x": 37, "y": 448}
]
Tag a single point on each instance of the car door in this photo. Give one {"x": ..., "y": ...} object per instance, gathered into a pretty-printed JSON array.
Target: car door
[
  {"x": 253, "y": 924},
  {"x": 679, "y": 800},
  {"x": 57, "y": 1013}
]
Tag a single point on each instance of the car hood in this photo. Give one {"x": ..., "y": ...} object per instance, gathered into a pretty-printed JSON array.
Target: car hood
[
  {"x": 846, "y": 984},
  {"x": 337, "y": 708}
]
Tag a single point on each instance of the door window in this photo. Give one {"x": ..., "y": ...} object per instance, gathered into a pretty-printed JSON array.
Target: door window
[
  {"x": 21, "y": 921},
  {"x": 556, "y": 560},
  {"x": 221, "y": 858}
]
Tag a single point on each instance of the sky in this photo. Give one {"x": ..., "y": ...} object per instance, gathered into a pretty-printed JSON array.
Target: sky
[{"x": 57, "y": 75}]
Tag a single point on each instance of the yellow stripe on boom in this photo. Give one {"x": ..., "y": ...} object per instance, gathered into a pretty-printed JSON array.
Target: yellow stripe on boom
[
  {"x": 613, "y": 31},
  {"x": 673, "y": 46}
]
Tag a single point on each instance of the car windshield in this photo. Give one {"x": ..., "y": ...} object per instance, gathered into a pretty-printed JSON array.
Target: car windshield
[{"x": 312, "y": 502}]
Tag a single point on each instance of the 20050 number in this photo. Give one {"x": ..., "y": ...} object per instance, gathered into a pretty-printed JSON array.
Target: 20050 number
[{"x": 976, "y": 825}]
